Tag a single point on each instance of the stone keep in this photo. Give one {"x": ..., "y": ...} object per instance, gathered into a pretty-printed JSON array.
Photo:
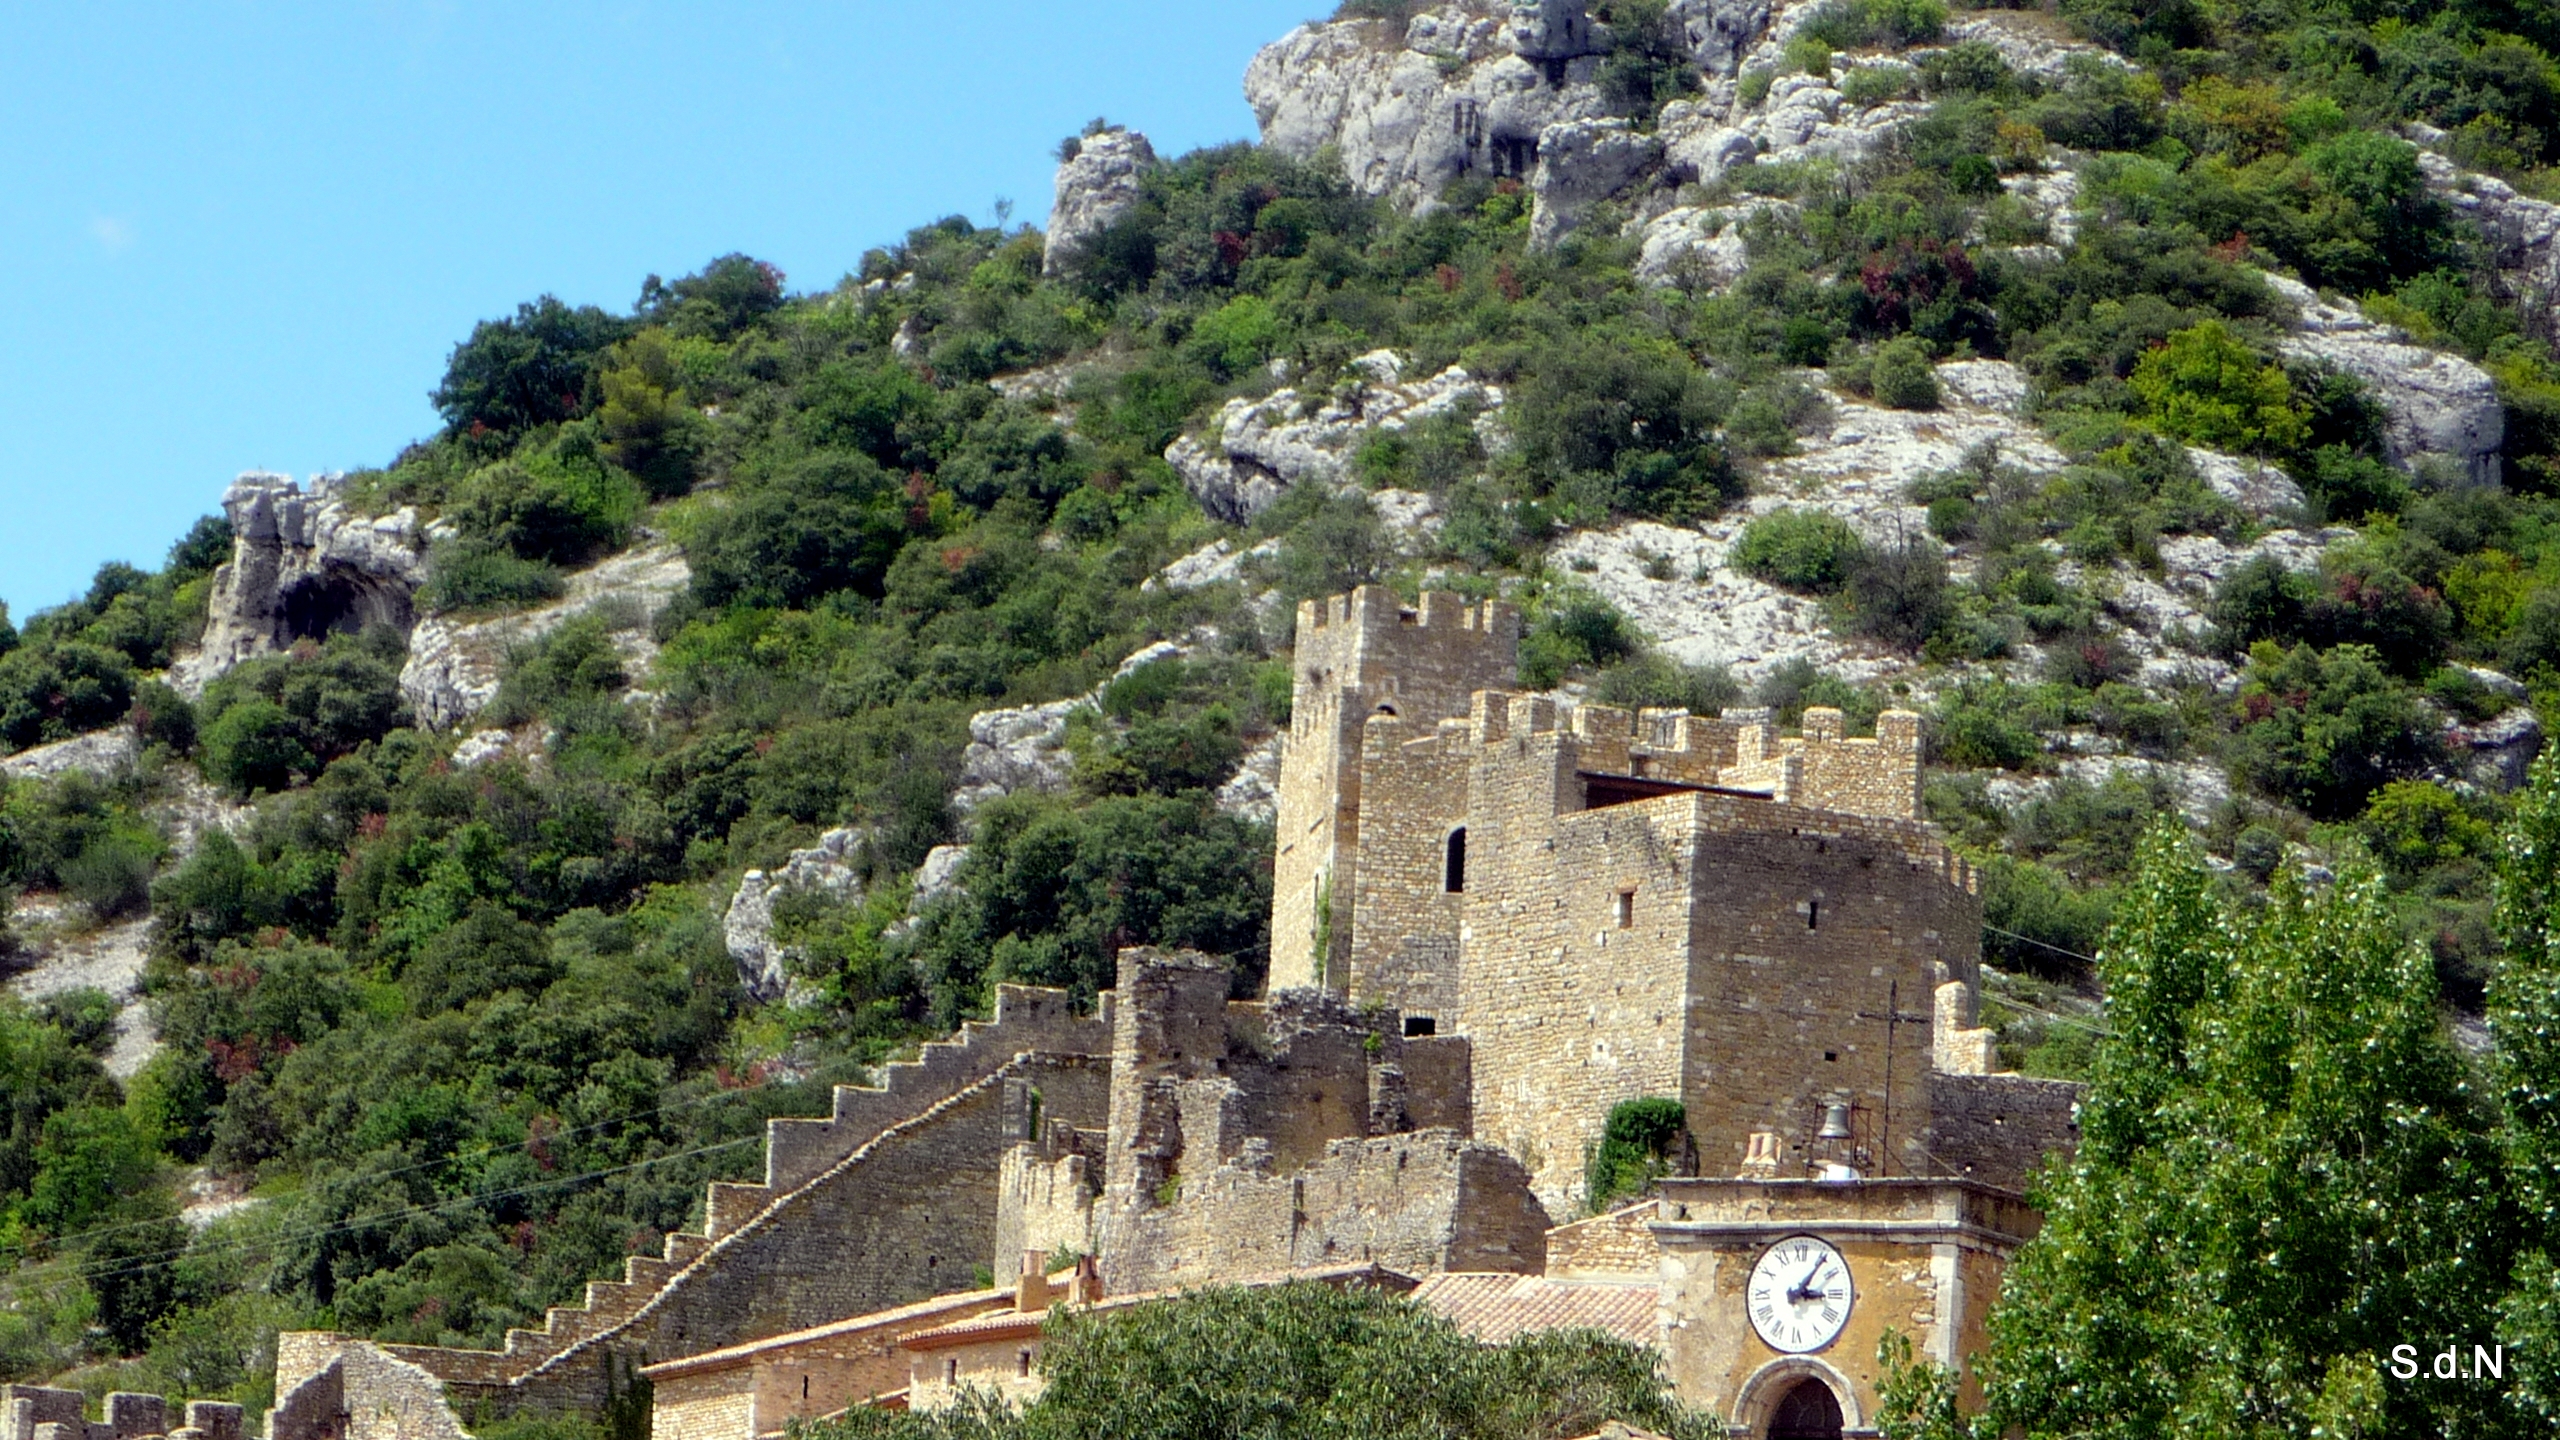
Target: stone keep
[
  {"x": 1610, "y": 905},
  {"x": 1357, "y": 655}
]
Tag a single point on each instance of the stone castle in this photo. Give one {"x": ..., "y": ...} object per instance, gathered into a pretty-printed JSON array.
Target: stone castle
[{"x": 1496, "y": 917}]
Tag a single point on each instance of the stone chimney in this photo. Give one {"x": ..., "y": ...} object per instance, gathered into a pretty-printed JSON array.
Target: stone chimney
[{"x": 1031, "y": 1291}]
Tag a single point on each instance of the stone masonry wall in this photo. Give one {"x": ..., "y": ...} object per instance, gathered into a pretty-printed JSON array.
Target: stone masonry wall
[
  {"x": 1998, "y": 1128},
  {"x": 1427, "y": 1201},
  {"x": 1817, "y": 949},
  {"x": 1404, "y": 934},
  {"x": 1571, "y": 1002},
  {"x": 1357, "y": 654}
]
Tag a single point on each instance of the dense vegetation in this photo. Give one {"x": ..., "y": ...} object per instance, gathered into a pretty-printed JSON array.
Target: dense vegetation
[
  {"x": 1309, "y": 1361},
  {"x": 472, "y": 1035}
]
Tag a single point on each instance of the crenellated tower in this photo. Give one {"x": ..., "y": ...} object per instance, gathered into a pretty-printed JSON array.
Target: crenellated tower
[{"x": 1360, "y": 655}]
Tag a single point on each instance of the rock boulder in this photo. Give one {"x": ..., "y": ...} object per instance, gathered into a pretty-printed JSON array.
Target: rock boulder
[{"x": 1095, "y": 186}]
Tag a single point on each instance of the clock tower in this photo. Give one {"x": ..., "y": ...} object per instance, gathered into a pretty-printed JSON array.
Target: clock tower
[{"x": 1775, "y": 1293}]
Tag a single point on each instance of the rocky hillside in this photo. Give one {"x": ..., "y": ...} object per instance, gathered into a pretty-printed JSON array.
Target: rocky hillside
[{"x": 433, "y": 874}]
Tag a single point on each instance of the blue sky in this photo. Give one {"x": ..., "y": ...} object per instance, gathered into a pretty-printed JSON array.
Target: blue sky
[{"x": 246, "y": 235}]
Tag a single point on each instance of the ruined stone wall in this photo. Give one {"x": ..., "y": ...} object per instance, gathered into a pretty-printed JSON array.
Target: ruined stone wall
[
  {"x": 1619, "y": 1243},
  {"x": 1356, "y": 655},
  {"x": 1817, "y": 946},
  {"x": 1998, "y": 1128},
  {"x": 906, "y": 1216},
  {"x": 1405, "y": 916},
  {"x": 1046, "y": 1193},
  {"x": 1426, "y": 1201},
  {"x": 1027, "y": 1019},
  {"x": 346, "y": 1389}
]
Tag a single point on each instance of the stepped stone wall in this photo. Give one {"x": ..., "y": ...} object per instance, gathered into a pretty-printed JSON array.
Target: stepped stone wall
[{"x": 891, "y": 1197}]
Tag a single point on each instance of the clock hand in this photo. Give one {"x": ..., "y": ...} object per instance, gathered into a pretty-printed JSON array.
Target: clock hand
[{"x": 1803, "y": 1289}]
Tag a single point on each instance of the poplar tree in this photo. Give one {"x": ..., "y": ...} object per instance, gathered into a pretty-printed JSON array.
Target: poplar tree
[{"x": 2284, "y": 1174}]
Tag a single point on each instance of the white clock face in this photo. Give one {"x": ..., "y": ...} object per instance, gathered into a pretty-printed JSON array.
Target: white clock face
[{"x": 1800, "y": 1294}]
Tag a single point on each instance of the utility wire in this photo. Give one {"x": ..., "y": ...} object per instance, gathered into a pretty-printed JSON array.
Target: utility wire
[
  {"x": 483, "y": 1154},
  {"x": 138, "y": 1262}
]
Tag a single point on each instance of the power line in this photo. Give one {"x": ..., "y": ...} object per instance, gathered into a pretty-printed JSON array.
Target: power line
[
  {"x": 2042, "y": 945},
  {"x": 83, "y": 1236},
  {"x": 137, "y": 1262}
]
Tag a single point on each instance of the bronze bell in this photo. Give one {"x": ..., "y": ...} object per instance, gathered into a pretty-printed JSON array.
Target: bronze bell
[{"x": 1835, "y": 1121}]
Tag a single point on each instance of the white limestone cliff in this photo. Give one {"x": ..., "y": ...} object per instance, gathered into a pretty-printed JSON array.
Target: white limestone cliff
[{"x": 303, "y": 564}]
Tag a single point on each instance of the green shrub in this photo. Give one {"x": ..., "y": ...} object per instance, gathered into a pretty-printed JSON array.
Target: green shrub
[
  {"x": 1978, "y": 727},
  {"x": 1902, "y": 376},
  {"x": 111, "y": 878},
  {"x": 254, "y": 745},
  {"x": 2205, "y": 386},
  {"x": 833, "y": 522},
  {"x": 1807, "y": 550},
  {"x": 1754, "y": 84},
  {"x": 562, "y": 505},
  {"x": 1572, "y": 631},
  {"x": 1656, "y": 680},
  {"x": 2036, "y": 922},
  {"x": 162, "y": 716},
  {"x": 1876, "y": 84},
  {"x": 1858, "y": 24},
  {"x": 1898, "y": 593},
  {"x": 2323, "y": 731},
  {"x": 1641, "y": 1141},
  {"x": 465, "y": 574}
]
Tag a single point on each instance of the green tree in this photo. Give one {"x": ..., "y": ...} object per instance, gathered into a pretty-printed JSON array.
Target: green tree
[
  {"x": 2524, "y": 1019},
  {"x": 1308, "y": 1362},
  {"x": 2281, "y": 1176},
  {"x": 2203, "y": 384},
  {"x": 533, "y": 369}
]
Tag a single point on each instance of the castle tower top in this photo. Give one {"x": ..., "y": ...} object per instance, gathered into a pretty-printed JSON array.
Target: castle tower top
[{"x": 1419, "y": 662}]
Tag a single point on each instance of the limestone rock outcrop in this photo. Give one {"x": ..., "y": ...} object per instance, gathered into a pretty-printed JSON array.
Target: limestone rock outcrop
[
  {"x": 1702, "y": 248},
  {"x": 2523, "y": 233},
  {"x": 1255, "y": 450},
  {"x": 453, "y": 667},
  {"x": 1467, "y": 89},
  {"x": 303, "y": 565},
  {"x": 2437, "y": 404},
  {"x": 1720, "y": 31},
  {"x": 827, "y": 868},
  {"x": 1581, "y": 163},
  {"x": 1095, "y": 186}
]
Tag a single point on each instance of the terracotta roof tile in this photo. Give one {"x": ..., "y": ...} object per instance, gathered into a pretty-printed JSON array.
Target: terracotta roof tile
[{"x": 1494, "y": 1308}]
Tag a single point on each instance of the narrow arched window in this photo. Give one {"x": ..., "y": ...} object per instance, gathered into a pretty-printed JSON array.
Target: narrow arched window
[{"x": 1455, "y": 878}]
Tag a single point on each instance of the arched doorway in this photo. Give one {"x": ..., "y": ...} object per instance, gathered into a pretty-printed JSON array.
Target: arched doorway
[{"x": 1809, "y": 1411}]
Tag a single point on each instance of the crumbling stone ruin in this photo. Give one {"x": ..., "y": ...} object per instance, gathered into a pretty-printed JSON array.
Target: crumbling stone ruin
[
  {"x": 1496, "y": 916},
  {"x": 38, "y": 1412}
]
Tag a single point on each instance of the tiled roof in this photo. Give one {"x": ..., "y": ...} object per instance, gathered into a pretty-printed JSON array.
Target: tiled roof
[
  {"x": 1009, "y": 1324},
  {"x": 749, "y": 1351},
  {"x": 1495, "y": 1307}
]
